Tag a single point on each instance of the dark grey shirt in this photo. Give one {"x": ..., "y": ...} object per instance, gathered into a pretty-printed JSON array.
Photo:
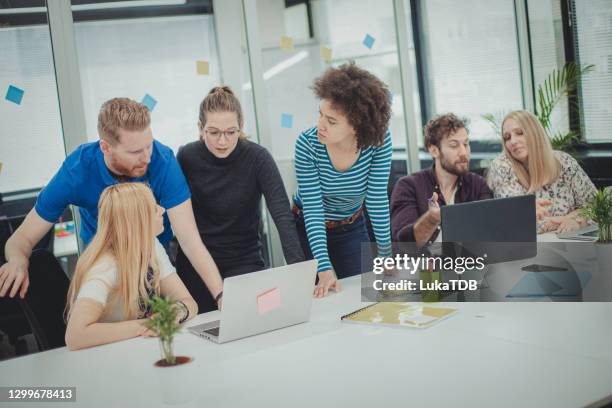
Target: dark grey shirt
[{"x": 226, "y": 195}]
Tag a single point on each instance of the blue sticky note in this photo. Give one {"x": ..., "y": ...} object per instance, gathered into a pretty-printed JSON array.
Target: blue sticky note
[
  {"x": 368, "y": 41},
  {"x": 286, "y": 120},
  {"x": 14, "y": 94},
  {"x": 149, "y": 102}
]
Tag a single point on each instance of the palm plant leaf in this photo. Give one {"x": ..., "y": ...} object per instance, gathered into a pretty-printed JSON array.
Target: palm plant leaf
[
  {"x": 489, "y": 117},
  {"x": 558, "y": 84},
  {"x": 564, "y": 141},
  {"x": 495, "y": 120}
]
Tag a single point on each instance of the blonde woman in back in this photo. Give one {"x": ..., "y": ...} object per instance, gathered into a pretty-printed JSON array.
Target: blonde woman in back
[
  {"x": 529, "y": 165},
  {"x": 122, "y": 267}
]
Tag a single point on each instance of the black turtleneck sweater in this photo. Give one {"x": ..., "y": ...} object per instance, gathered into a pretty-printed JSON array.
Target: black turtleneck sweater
[{"x": 226, "y": 195}]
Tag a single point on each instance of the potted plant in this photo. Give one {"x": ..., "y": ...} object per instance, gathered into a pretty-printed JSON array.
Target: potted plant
[
  {"x": 599, "y": 209},
  {"x": 174, "y": 372},
  {"x": 557, "y": 85}
]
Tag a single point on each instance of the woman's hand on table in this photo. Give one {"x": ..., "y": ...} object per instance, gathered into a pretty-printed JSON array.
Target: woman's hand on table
[
  {"x": 327, "y": 281},
  {"x": 568, "y": 224},
  {"x": 560, "y": 224}
]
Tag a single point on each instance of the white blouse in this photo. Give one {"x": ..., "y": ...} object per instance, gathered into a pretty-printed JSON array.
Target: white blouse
[{"x": 101, "y": 284}]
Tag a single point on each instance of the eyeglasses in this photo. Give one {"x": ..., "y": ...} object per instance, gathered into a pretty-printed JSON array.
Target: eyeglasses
[{"x": 216, "y": 134}]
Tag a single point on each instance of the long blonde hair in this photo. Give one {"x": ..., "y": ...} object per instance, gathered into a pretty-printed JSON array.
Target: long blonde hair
[
  {"x": 126, "y": 232},
  {"x": 543, "y": 166}
]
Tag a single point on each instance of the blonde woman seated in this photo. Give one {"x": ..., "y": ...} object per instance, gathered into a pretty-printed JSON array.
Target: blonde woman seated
[
  {"x": 122, "y": 267},
  {"x": 529, "y": 165}
]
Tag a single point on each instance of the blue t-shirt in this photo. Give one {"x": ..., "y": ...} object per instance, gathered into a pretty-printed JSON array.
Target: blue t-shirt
[{"x": 84, "y": 175}]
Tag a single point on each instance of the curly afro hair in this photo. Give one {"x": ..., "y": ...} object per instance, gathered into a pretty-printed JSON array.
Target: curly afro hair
[{"x": 363, "y": 98}]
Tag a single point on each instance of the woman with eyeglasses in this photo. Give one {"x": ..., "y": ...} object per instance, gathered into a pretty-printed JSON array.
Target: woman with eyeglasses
[
  {"x": 228, "y": 175},
  {"x": 342, "y": 166}
]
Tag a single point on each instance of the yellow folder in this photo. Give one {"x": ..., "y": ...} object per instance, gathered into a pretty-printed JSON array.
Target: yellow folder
[{"x": 399, "y": 314}]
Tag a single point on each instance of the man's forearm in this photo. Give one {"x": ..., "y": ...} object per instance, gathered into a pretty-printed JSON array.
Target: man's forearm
[
  {"x": 18, "y": 249},
  {"x": 184, "y": 226},
  {"x": 19, "y": 246},
  {"x": 423, "y": 229}
]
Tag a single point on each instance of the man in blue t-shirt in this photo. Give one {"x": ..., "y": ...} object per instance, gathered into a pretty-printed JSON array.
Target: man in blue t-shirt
[{"x": 126, "y": 152}]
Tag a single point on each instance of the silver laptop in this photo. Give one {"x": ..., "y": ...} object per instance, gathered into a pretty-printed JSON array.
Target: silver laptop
[
  {"x": 262, "y": 301},
  {"x": 588, "y": 233}
]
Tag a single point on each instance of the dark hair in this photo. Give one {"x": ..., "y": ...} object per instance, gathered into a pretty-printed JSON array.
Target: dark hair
[
  {"x": 441, "y": 126},
  {"x": 363, "y": 98},
  {"x": 221, "y": 99}
]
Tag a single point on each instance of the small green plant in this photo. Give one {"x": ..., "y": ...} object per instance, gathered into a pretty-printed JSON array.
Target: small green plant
[
  {"x": 599, "y": 209},
  {"x": 163, "y": 321}
]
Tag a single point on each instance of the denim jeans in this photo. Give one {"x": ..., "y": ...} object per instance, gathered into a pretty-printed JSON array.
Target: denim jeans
[{"x": 347, "y": 253}]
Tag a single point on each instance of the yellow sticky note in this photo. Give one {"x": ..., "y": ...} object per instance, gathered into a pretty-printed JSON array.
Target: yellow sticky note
[
  {"x": 202, "y": 67},
  {"x": 326, "y": 53},
  {"x": 286, "y": 43}
]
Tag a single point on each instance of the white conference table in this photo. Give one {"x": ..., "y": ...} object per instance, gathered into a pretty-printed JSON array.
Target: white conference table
[{"x": 488, "y": 354}]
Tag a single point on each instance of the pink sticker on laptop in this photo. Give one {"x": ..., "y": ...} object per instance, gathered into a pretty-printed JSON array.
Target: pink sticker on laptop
[{"x": 268, "y": 301}]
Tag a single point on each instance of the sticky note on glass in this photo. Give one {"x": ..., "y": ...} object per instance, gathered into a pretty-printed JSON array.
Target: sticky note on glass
[
  {"x": 268, "y": 301},
  {"x": 368, "y": 41},
  {"x": 202, "y": 67},
  {"x": 149, "y": 102},
  {"x": 286, "y": 43},
  {"x": 326, "y": 53},
  {"x": 287, "y": 120},
  {"x": 14, "y": 94}
]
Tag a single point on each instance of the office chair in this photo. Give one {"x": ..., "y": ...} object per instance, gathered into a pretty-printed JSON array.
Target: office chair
[
  {"x": 44, "y": 303},
  {"x": 13, "y": 323}
]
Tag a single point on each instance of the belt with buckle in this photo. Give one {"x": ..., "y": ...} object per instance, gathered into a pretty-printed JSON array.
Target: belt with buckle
[{"x": 332, "y": 224}]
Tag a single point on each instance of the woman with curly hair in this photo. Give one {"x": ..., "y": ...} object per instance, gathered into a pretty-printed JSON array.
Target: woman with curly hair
[{"x": 342, "y": 163}]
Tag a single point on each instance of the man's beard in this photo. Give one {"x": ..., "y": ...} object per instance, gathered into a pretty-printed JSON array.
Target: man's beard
[
  {"x": 453, "y": 168},
  {"x": 127, "y": 172}
]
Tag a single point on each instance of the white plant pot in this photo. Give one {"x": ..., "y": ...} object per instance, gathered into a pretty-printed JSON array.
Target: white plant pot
[{"x": 177, "y": 383}]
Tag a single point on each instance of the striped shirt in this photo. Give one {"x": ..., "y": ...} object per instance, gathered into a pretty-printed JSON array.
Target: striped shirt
[{"x": 324, "y": 193}]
